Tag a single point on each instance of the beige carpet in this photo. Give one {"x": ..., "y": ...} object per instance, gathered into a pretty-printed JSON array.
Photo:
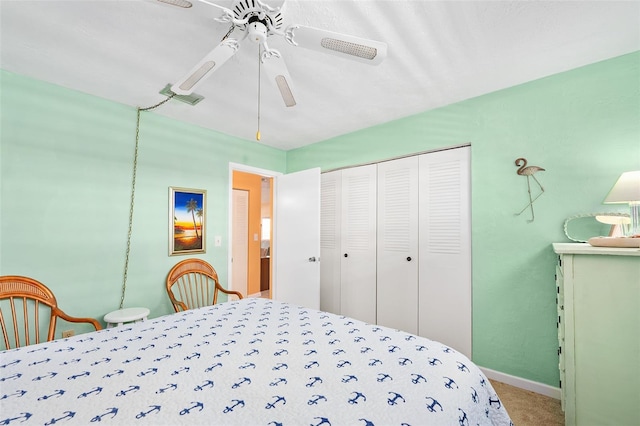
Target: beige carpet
[{"x": 529, "y": 408}]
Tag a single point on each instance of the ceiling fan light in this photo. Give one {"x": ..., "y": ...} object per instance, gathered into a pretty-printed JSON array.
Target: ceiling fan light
[
  {"x": 354, "y": 49},
  {"x": 197, "y": 75},
  {"x": 257, "y": 32},
  {"x": 180, "y": 3},
  {"x": 285, "y": 91}
]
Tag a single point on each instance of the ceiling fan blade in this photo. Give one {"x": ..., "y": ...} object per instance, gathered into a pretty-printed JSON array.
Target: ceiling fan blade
[
  {"x": 180, "y": 3},
  {"x": 278, "y": 73},
  {"x": 224, "y": 9},
  {"x": 209, "y": 64},
  {"x": 343, "y": 45}
]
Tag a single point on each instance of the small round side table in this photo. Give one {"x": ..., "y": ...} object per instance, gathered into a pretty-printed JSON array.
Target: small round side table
[{"x": 119, "y": 317}]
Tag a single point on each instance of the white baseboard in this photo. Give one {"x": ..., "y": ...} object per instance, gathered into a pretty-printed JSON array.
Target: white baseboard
[{"x": 521, "y": 383}]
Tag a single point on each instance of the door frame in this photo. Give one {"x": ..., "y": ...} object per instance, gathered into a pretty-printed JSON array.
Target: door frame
[
  {"x": 256, "y": 171},
  {"x": 237, "y": 246}
]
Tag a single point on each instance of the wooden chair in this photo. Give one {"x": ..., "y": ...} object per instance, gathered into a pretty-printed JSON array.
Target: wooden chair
[
  {"x": 193, "y": 283},
  {"x": 27, "y": 308}
]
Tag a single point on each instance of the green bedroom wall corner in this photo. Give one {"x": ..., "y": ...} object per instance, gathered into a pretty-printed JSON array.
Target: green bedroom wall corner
[
  {"x": 66, "y": 168},
  {"x": 439, "y": 128},
  {"x": 66, "y": 173},
  {"x": 581, "y": 126}
]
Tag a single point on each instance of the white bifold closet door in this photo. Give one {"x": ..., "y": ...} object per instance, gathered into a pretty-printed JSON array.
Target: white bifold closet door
[
  {"x": 330, "y": 190},
  {"x": 396, "y": 245},
  {"x": 397, "y": 242},
  {"x": 445, "y": 248},
  {"x": 358, "y": 248},
  {"x": 348, "y": 243}
]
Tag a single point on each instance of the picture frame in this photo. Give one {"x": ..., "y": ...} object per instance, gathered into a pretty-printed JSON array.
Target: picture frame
[{"x": 187, "y": 219}]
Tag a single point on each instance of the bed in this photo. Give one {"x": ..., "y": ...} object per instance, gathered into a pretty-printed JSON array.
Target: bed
[{"x": 248, "y": 362}]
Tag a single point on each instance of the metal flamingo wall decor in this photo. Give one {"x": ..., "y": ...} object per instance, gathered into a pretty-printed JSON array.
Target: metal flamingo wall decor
[{"x": 529, "y": 171}]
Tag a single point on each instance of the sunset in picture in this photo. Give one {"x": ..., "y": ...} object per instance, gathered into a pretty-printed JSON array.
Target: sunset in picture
[{"x": 188, "y": 221}]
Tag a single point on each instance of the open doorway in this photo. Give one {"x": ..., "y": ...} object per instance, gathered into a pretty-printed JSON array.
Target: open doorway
[
  {"x": 251, "y": 233},
  {"x": 294, "y": 249}
]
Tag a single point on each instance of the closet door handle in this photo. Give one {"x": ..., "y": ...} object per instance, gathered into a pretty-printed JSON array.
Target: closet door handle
[
  {"x": 409, "y": 259},
  {"x": 346, "y": 255}
]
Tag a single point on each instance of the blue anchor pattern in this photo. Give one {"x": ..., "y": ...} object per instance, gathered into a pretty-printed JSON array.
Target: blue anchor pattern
[{"x": 254, "y": 361}]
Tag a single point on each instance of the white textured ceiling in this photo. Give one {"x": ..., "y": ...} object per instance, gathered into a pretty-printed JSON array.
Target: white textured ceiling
[{"x": 440, "y": 52}]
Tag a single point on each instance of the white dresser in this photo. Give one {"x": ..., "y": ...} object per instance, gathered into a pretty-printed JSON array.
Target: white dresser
[{"x": 599, "y": 334}]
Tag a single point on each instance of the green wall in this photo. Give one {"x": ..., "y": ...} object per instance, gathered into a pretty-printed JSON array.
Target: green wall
[
  {"x": 66, "y": 174},
  {"x": 66, "y": 168},
  {"x": 583, "y": 127}
]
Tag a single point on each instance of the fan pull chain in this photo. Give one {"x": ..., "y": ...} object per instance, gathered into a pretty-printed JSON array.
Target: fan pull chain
[
  {"x": 133, "y": 192},
  {"x": 259, "y": 68}
]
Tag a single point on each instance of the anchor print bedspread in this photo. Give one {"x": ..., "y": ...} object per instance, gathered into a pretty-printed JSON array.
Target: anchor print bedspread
[{"x": 250, "y": 362}]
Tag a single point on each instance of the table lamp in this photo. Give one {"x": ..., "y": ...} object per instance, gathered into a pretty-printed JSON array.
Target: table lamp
[{"x": 627, "y": 191}]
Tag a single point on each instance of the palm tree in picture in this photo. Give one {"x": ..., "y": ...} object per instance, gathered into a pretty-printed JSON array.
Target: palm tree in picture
[
  {"x": 199, "y": 213},
  {"x": 192, "y": 207}
]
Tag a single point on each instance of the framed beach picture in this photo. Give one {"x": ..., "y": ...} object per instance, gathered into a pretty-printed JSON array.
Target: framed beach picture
[{"x": 186, "y": 220}]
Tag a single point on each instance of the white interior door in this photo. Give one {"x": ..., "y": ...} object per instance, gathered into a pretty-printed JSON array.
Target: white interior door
[
  {"x": 240, "y": 245},
  {"x": 296, "y": 253}
]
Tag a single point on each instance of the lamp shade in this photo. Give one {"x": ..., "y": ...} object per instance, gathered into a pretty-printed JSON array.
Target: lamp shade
[{"x": 626, "y": 190}]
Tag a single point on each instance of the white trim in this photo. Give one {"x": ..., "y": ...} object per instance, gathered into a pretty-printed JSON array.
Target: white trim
[
  {"x": 521, "y": 383},
  {"x": 251, "y": 169},
  {"x": 429, "y": 151}
]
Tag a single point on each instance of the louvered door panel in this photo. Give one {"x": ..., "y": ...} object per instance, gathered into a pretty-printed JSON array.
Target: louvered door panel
[
  {"x": 330, "y": 219},
  {"x": 445, "y": 248},
  {"x": 397, "y": 238},
  {"x": 358, "y": 249}
]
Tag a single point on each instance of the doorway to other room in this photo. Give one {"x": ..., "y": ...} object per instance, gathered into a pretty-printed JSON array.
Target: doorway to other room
[
  {"x": 293, "y": 244},
  {"x": 252, "y": 241}
]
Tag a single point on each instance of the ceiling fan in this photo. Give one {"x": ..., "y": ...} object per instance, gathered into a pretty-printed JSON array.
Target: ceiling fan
[{"x": 257, "y": 21}]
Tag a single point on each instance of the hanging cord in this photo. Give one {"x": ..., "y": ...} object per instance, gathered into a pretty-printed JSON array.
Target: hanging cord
[
  {"x": 133, "y": 192},
  {"x": 133, "y": 182},
  {"x": 259, "y": 68}
]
